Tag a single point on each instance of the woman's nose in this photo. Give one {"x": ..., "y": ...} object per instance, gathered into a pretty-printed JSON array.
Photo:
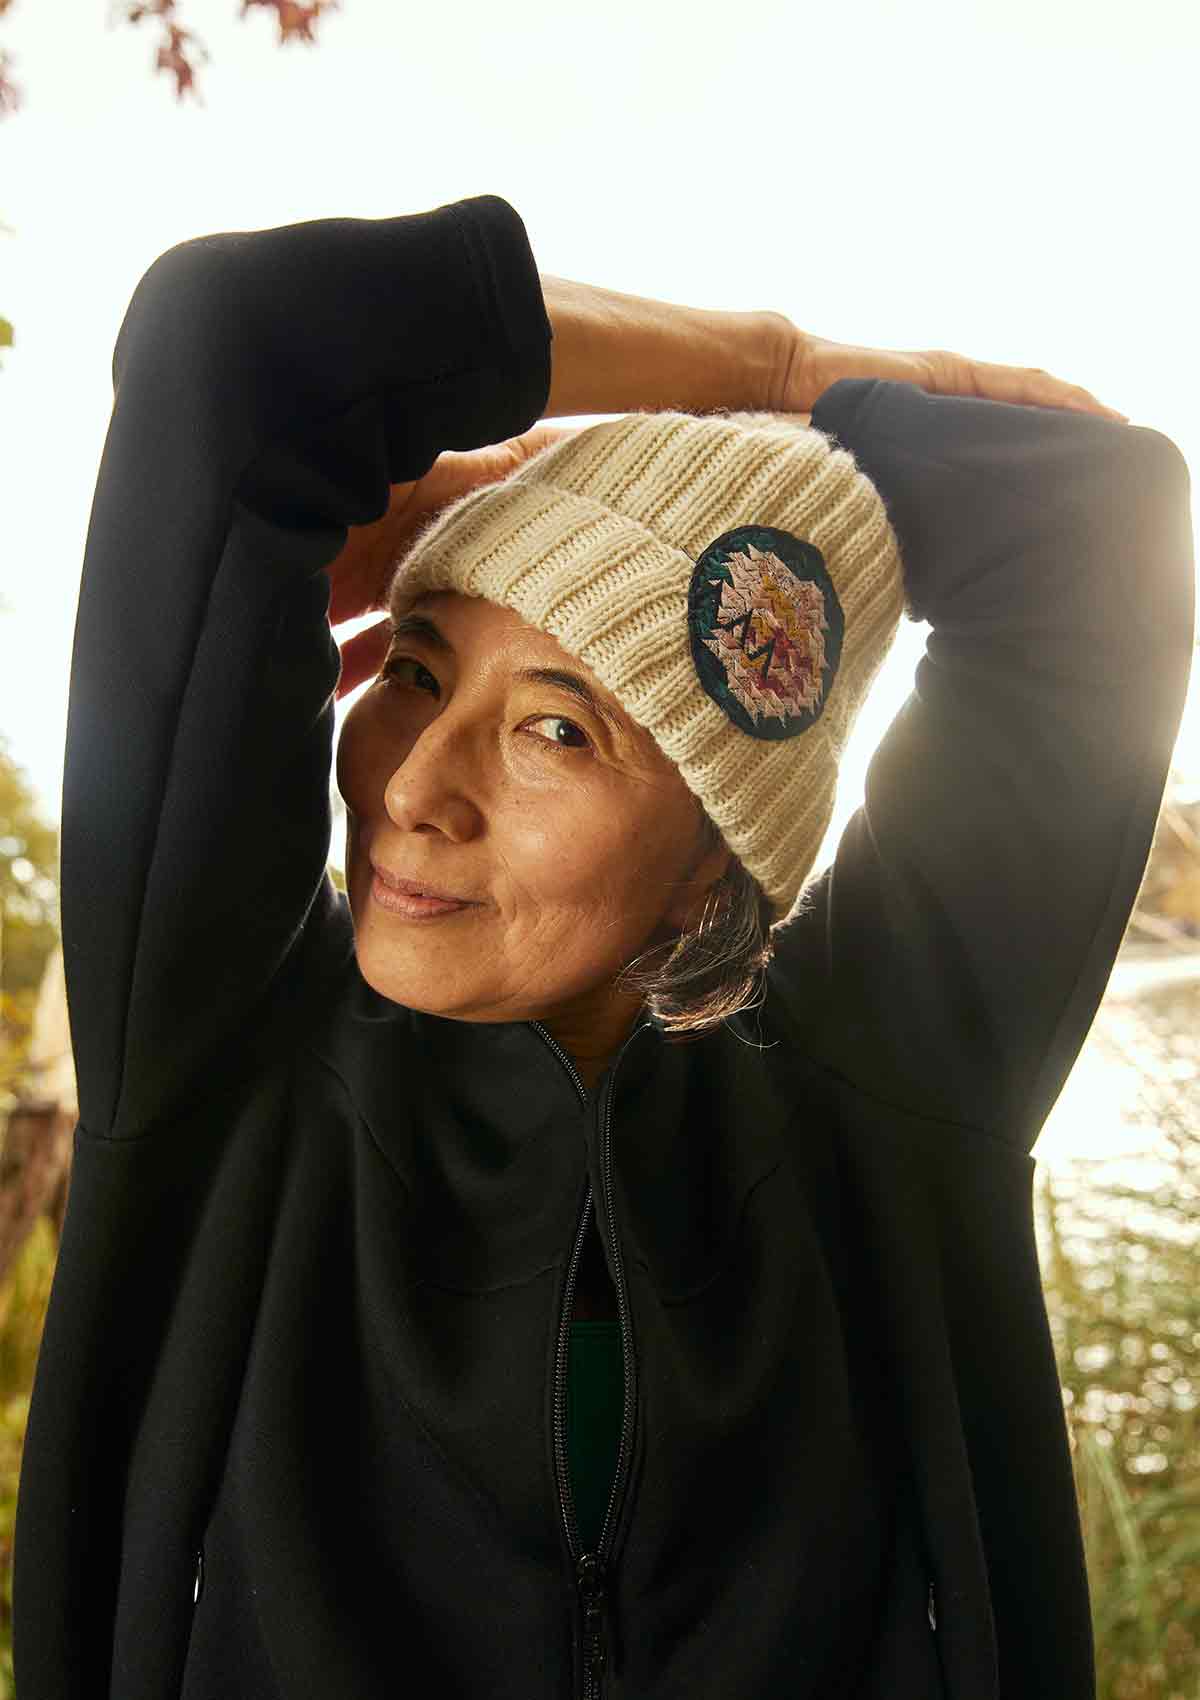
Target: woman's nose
[{"x": 432, "y": 785}]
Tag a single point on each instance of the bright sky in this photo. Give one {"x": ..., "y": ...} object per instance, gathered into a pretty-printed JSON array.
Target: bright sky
[{"x": 1006, "y": 179}]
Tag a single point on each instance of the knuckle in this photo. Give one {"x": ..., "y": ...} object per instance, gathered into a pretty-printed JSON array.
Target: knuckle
[{"x": 942, "y": 366}]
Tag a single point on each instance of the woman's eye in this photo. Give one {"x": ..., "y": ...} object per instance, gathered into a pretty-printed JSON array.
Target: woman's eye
[
  {"x": 394, "y": 662},
  {"x": 390, "y": 666},
  {"x": 557, "y": 720}
]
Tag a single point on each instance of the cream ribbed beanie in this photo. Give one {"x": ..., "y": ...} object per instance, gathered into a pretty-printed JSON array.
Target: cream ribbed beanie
[{"x": 732, "y": 579}]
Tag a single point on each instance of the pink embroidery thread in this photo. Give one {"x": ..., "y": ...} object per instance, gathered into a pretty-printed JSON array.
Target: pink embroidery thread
[{"x": 771, "y": 641}]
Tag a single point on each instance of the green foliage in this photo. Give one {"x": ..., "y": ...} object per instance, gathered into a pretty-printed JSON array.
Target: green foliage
[
  {"x": 28, "y": 879},
  {"x": 28, "y": 916},
  {"x": 23, "y": 1300},
  {"x": 6, "y": 330}
]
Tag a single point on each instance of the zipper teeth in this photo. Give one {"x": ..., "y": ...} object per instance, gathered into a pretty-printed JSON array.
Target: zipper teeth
[
  {"x": 566, "y": 1503},
  {"x": 563, "y": 1058},
  {"x": 626, "y": 1332},
  {"x": 566, "y": 1499}
]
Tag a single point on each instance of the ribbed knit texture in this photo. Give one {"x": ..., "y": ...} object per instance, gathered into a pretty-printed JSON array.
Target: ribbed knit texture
[{"x": 596, "y": 539}]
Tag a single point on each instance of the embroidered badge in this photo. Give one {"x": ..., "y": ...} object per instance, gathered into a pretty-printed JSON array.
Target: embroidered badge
[{"x": 766, "y": 629}]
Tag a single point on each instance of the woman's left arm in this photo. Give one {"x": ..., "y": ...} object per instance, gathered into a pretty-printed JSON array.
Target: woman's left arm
[{"x": 951, "y": 959}]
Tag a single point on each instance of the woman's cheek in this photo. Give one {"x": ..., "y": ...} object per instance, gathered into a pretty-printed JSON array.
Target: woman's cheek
[{"x": 354, "y": 757}]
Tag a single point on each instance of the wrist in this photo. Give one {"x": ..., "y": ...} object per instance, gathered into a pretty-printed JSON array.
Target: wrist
[{"x": 619, "y": 353}]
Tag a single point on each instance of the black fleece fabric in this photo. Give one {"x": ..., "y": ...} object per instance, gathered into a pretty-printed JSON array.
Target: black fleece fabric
[{"x": 297, "y": 1428}]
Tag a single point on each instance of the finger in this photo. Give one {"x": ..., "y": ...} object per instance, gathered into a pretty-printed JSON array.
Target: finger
[
  {"x": 496, "y": 461},
  {"x": 541, "y": 435},
  {"x": 352, "y": 592},
  {"x": 362, "y": 656},
  {"x": 1026, "y": 386},
  {"x": 1045, "y": 390}
]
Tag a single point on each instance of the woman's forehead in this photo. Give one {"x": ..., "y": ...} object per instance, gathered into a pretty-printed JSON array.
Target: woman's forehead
[{"x": 453, "y": 613}]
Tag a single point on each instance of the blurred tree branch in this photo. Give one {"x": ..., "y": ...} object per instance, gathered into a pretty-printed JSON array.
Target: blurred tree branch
[
  {"x": 176, "y": 42},
  {"x": 179, "y": 49}
]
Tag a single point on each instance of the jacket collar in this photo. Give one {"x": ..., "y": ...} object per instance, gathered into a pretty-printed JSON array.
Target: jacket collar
[
  {"x": 497, "y": 1071},
  {"x": 628, "y": 1069}
]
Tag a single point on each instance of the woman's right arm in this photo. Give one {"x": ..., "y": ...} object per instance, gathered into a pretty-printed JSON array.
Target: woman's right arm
[
  {"x": 269, "y": 388},
  {"x": 618, "y": 353}
]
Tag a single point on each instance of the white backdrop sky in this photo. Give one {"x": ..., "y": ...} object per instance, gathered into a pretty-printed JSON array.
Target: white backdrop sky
[{"x": 1014, "y": 179}]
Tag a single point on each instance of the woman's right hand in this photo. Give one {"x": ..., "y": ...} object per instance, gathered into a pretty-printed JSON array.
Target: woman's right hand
[{"x": 362, "y": 573}]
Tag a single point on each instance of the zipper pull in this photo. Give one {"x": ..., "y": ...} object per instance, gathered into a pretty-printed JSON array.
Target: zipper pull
[
  {"x": 591, "y": 1587},
  {"x": 931, "y": 1608}
]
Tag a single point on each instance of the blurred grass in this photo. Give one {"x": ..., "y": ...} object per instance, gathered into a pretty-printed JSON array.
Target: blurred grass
[
  {"x": 23, "y": 1299},
  {"x": 1119, "y": 1242}
]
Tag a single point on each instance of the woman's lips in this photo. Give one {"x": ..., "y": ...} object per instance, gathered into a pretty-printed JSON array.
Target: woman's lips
[{"x": 413, "y": 908}]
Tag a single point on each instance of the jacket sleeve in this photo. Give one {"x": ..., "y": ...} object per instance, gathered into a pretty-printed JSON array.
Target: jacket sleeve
[
  {"x": 269, "y": 386},
  {"x": 951, "y": 959}
]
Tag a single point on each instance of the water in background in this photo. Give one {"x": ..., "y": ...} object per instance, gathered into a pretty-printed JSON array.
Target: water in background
[{"x": 1130, "y": 1109}]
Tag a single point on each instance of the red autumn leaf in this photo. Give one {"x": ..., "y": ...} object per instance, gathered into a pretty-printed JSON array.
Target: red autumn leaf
[{"x": 295, "y": 20}]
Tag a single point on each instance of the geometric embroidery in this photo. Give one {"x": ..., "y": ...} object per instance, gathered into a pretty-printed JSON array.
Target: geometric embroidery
[{"x": 766, "y": 629}]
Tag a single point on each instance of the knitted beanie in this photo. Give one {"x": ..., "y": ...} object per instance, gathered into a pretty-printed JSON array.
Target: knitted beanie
[{"x": 732, "y": 579}]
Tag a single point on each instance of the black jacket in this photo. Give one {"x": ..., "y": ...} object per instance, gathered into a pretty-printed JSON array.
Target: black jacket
[{"x": 296, "y": 1428}]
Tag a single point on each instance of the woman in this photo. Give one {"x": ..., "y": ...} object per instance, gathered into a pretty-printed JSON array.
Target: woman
[{"x": 353, "y": 1173}]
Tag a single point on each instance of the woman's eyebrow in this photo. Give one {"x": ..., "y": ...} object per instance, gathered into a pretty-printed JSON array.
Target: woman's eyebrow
[{"x": 421, "y": 627}]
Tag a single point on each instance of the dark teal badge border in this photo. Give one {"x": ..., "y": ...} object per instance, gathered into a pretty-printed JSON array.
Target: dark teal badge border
[{"x": 711, "y": 573}]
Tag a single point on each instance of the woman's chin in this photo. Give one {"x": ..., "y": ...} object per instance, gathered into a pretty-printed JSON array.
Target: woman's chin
[{"x": 410, "y": 983}]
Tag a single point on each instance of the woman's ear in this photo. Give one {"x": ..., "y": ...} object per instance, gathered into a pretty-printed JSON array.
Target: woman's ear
[{"x": 698, "y": 888}]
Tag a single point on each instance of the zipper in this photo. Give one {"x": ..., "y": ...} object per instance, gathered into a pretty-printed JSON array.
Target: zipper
[{"x": 591, "y": 1570}]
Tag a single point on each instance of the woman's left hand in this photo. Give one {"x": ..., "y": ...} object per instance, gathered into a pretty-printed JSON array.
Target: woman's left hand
[{"x": 811, "y": 363}]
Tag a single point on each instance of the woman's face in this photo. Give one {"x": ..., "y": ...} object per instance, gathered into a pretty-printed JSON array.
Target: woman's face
[{"x": 572, "y": 834}]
